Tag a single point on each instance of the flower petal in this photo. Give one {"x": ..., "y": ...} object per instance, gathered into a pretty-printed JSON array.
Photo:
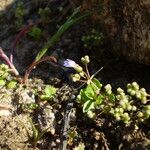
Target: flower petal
[{"x": 69, "y": 63}]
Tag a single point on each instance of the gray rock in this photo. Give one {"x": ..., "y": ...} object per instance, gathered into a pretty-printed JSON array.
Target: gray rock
[{"x": 126, "y": 25}]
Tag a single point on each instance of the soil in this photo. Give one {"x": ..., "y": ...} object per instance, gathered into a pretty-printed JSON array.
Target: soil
[{"x": 62, "y": 119}]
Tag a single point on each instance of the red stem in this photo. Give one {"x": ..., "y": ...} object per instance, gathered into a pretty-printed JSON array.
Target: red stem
[
  {"x": 35, "y": 63},
  {"x": 6, "y": 59},
  {"x": 23, "y": 31}
]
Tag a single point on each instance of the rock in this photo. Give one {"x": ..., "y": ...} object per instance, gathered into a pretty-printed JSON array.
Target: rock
[
  {"x": 6, "y": 107},
  {"x": 14, "y": 132},
  {"x": 4, "y": 4},
  {"x": 46, "y": 119},
  {"x": 126, "y": 25}
]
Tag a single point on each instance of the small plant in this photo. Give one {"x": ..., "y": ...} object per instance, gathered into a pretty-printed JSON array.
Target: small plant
[
  {"x": 45, "y": 14},
  {"x": 37, "y": 135},
  {"x": 93, "y": 40},
  {"x": 29, "y": 107},
  {"x": 12, "y": 84},
  {"x": 81, "y": 146},
  {"x": 6, "y": 79},
  {"x": 19, "y": 13},
  {"x": 130, "y": 106},
  {"x": 49, "y": 93},
  {"x": 72, "y": 134},
  {"x": 35, "y": 33}
]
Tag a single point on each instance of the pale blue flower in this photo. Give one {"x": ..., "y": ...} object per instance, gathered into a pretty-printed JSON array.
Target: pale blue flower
[{"x": 69, "y": 63}]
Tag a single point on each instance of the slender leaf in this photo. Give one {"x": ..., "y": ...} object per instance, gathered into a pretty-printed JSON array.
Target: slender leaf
[{"x": 71, "y": 21}]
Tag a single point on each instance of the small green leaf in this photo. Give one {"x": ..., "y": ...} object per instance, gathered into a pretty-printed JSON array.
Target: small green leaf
[
  {"x": 35, "y": 32},
  {"x": 111, "y": 97},
  {"x": 2, "y": 82},
  {"x": 5, "y": 75},
  {"x": 50, "y": 90},
  {"x": 46, "y": 97},
  {"x": 89, "y": 92},
  {"x": 89, "y": 105},
  {"x": 12, "y": 84},
  {"x": 84, "y": 98},
  {"x": 97, "y": 83},
  {"x": 94, "y": 87},
  {"x": 35, "y": 130},
  {"x": 32, "y": 106},
  {"x": 99, "y": 99}
]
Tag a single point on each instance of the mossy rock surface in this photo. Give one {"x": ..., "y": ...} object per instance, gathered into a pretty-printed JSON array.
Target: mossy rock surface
[{"x": 126, "y": 25}]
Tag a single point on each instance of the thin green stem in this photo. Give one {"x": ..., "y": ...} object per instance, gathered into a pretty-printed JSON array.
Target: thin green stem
[
  {"x": 87, "y": 71},
  {"x": 97, "y": 71},
  {"x": 83, "y": 81}
]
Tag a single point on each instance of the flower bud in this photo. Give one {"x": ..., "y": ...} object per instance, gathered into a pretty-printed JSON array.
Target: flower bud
[
  {"x": 136, "y": 127},
  {"x": 119, "y": 90},
  {"x": 85, "y": 59},
  {"x": 91, "y": 114},
  {"x": 134, "y": 108},
  {"x": 81, "y": 74},
  {"x": 143, "y": 93},
  {"x": 143, "y": 101},
  {"x": 78, "y": 68},
  {"x": 135, "y": 85},
  {"x": 129, "y": 86},
  {"x": 142, "y": 90},
  {"x": 75, "y": 77},
  {"x": 129, "y": 90},
  {"x": 121, "y": 110},
  {"x": 116, "y": 110},
  {"x": 138, "y": 95},
  {"x": 108, "y": 89},
  {"x": 123, "y": 101},
  {"x": 128, "y": 107},
  {"x": 126, "y": 117},
  {"x": 140, "y": 114},
  {"x": 79, "y": 98},
  {"x": 117, "y": 116},
  {"x": 112, "y": 111}
]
